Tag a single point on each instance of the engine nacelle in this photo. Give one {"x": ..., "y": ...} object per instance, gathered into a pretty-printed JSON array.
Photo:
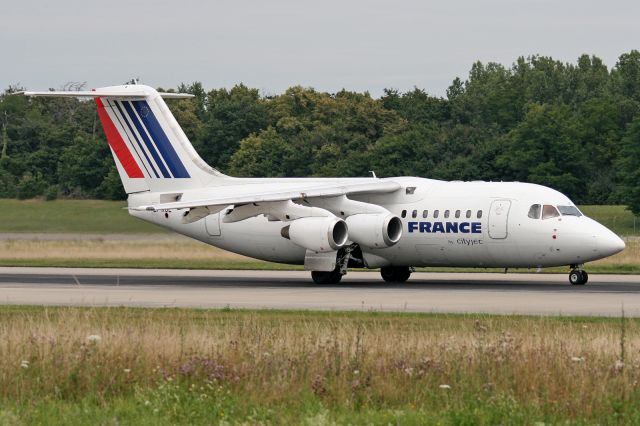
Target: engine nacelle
[
  {"x": 375, "y": 230},
  {"x": 320, "y": 234}
]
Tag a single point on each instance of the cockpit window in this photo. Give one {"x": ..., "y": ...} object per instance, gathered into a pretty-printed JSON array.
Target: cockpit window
[
  {"x": 534, "y": 211},
  {"x": 569, "y": 211},
  {"x": 549, "y": 211}
]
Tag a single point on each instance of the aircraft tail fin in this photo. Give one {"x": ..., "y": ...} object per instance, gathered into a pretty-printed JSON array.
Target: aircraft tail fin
[{"x": 151, "y": 151}]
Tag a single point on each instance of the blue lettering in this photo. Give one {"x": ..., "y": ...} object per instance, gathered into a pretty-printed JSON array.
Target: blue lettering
[
  {"x": 445, "y": 227},
  {"x": 476, "y": 228},
  {"x": 438, "y": 227},
  {"x": 452, "y": 227}
]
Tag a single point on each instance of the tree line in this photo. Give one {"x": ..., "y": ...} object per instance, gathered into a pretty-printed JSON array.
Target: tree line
[{"x": 572, "y": 126}]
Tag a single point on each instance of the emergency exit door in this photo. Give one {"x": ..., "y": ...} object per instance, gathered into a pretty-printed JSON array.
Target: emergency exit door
[{"x": 499, "y": 219}]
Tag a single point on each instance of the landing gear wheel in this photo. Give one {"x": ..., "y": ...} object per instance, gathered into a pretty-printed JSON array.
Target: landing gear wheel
[
  {"x": 326, "y": 277},
  {"x": 395, "y": 274},
  {"x": 578, "y": 277}
]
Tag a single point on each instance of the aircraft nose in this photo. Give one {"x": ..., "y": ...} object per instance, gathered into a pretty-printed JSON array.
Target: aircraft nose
[{"x": 609, "y": 243}]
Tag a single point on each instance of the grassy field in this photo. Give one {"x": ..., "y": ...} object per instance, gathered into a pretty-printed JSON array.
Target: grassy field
[
  {"x": 109, "y": 217},
  {"x": 174, "y": 366},
  {"x": 617, "y": 218},
  {"x": 74, "y": 216}
]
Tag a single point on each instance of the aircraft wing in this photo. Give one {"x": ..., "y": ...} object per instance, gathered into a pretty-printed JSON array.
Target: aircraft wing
[{"x": 378, "y": 187}]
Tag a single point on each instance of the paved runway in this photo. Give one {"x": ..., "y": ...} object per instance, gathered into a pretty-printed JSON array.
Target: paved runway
[{"x": 543, "y": 294}]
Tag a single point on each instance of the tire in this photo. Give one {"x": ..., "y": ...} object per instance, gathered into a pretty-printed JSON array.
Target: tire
[
  {"x": 585, "y": 277},
  {"x": 577, "y": 277},
  {"x": 326, "y": 277},
  {"x": 395, "y": 274}
]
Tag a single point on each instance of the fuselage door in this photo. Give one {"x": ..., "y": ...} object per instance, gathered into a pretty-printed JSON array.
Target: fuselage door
[
  {"x": 499, "y": 219},
  {"x": 212, "y": 223}
]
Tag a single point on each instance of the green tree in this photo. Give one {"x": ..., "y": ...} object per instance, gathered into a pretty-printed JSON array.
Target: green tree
[
  {"x": 629, "y": 167},
  {"x": 543, "y": 149},
  {"x": 231, "y": 115}
]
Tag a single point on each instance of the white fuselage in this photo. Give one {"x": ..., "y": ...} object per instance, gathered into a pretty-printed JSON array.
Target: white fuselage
[{"x": 501, "y": 235}]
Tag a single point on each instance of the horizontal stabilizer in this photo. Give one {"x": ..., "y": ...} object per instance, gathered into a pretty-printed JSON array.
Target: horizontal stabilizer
[{"x": 103, "y": 94}]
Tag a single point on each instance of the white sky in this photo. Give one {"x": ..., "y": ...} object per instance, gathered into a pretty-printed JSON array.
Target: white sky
[{"x": 275, "y": 44}]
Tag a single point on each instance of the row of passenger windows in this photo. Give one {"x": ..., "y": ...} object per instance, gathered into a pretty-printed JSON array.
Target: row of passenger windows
[
  {"x": 436, "y": 214},
  {"x": 549, "y": 211}
]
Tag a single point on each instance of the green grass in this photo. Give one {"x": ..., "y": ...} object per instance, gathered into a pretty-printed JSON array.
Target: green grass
[
  {"x": 188, "y": 366},
  {"x": 617, "y": 218},
  {"x": 73, "y": 216},
  {"x": 107, "y": 217}
]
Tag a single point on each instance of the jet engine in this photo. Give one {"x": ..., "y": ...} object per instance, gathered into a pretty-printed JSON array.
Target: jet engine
[
  {"x": 375, "y": 230},
  {"x": 320, "y": 234}
]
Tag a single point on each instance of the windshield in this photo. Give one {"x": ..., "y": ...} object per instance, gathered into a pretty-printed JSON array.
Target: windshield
[{"x": 569, "y": 211}]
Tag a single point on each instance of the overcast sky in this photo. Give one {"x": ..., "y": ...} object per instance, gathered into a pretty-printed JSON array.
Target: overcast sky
[{"x": 275, "y": 44}]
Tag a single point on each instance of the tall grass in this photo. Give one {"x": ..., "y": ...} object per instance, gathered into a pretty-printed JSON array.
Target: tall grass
[{"x": 291, "y": 366}]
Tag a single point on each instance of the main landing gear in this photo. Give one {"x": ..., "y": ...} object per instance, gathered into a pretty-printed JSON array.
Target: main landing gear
[
  {"x": 396, "y": 274},
  {"x": 577, "y": 276}
]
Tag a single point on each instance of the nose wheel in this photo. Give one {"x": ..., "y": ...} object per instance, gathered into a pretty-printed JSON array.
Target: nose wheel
[{"x": 578, "y": 277}]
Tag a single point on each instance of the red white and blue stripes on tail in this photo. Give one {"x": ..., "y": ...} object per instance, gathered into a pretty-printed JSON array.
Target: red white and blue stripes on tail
[
  {"x": 151, "y": 151},
  {"x": 138, "y": 140}
]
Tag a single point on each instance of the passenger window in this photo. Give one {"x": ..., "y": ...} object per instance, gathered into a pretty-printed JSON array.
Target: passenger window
[
  {"x": 414, "y": 214},
  {"x": 534, "y": 211},
  {"x": 436, "y": 213},
  {"x": 404, "y": 214},
  {"x": 549, "y": 211},
  {"x": 457, "y": 214},
  {"x": 425, "y": 213},
  {"x": 446, "y": 214},
  {"x": 468, "y": 214},
  {"x": 479, "y": 215}
]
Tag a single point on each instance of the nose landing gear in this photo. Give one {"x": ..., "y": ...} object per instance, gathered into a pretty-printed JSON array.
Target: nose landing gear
[{"x": 577, "y": 276}]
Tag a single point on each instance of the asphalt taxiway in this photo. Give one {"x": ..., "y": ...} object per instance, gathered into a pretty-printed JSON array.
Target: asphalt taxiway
[{"x": 539, "y": 294}]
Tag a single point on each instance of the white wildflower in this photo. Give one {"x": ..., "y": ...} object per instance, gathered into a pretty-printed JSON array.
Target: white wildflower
[
  {"x": 24, "y": 364},
  {"x": 356, "y": 372},
  {"x": 444, "y": 387},
  {"x": 93, "y": 338},
  {"x": 577, "y": 358}
]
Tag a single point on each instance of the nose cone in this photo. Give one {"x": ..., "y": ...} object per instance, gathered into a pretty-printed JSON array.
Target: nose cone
[{"x": 608, "y": 243}]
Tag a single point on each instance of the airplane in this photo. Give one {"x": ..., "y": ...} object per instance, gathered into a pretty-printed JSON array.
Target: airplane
[{"x": 331, "y": 224}]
